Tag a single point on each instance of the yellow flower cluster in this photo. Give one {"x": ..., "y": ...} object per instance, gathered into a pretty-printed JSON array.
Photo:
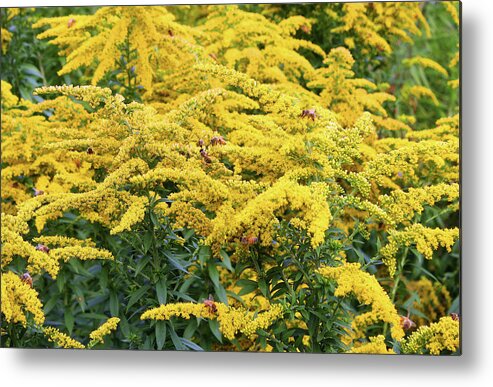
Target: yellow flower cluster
[
  {"x": 346, "y": 95},
  {"x": 401, "y": 206},
  {"x": 373, "y": 25},
  {"x": 376, "y": 345},
  {"x": 97, "y": 336},
  {"x": 61, "y": 339},
  {"x": 79, "y": 252},
  {"x": 134, "y": 214},
  {"x": 100, "y": 35},
  {"x": 231, "y": 320},
  {"x": 434, "y": 300},
  {"x": 434, "y": 339},
  {"x": 426, "y": 240},
  {"x": 426, "y": 63},
  {"x": 365, "y": 287},
  {"x": 41, "y": 257},
  {"x": 256, "y": 46},
  {"x": 6, "y": 34},
  {"x": 18, "y": 298},
  {"x": 272, "y": 154},
  {"x": 418, "y": 92}
]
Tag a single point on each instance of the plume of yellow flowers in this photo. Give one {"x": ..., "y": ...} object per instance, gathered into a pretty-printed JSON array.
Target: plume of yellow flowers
[
  {"x": 96, "y": 39},
  {"x": 426, "y": 240},
  {"x": 434, "y": 299},
  {"x": 61, "y": 339},
  {"x": 434, "y": 339},
  {"x": 373, "y": 25},
  {"x": 365, "y": 287},
  {"x": 375, "y": 345},
  {"x": 97, "y": 336},
  {"x": 18, "y": 297},
  {"x": 231, "y": 320},
  {"x": 346, "y": 95}
]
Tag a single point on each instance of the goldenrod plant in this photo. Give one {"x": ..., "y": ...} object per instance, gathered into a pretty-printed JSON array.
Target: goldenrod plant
[{"x": 233, "y": 178}]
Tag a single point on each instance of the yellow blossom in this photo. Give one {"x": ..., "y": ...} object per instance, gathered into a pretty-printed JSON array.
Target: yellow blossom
[
  {"x": 434, "y": 339},
  {"x": 376, "y": 345},
  {"x": 18, "y": 298},
  {"x": 231, "y": 320},
  {"x": 61, "y": 339},
  {"x": 365, "y": 287},
  {"x": 97, "y": 335}
]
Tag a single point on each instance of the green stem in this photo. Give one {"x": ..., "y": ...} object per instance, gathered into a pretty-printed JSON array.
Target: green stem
[
  {"x": 393, "y": 293},
  {"x": 332, "y": 319}
]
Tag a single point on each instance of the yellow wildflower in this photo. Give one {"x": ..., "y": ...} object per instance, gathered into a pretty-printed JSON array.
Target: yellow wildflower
[
  {"x": 97, "y": 335},
  {"x": 426, "y": 240},
  {"x": 231, "y": 320},
  {"x": 61, "y": 339},
  {"x": 351, "y": 279},
  {"x": 376, "y": 345},
  {"x": 434, "y": 339},
  {"x": 18, "y": 298}
]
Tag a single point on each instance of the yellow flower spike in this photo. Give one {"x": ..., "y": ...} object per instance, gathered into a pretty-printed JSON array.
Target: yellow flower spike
[
  {"x": 61, "y": 339},
  {"x": 352, "y": 280},
  {"x": 18, "y": 298},
  {"x": 114, "y": 25},
  {"x": 426, "y": 240},
  {"x": 80, "y": 252},
  {"x": 376, "y": 345},
  {"x": 97, "y": 336},
  {"x": 436, "y": 338},
  {"x": 375, "y": 24},
  {"x": 231, "y": 320},
  {"x": 434, "y": 300},
  {"x": 134, "y": 215},
  {"x": 426, "y": 63}
]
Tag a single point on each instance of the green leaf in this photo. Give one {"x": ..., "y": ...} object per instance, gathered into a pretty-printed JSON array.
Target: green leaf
[
  {"x": 137, "y": 295},
  {"x": 247, "y": 286},
  {"x": 103, "y": 278},
  {"x": 214, "y": 327},
  {"x": 114, "y": 304},
  {"x": 148, "y": 343},
  {"x": 93, "y": 316},
  {"x": 188, "y": 234},
  {"x": 50, "y": 304},
  {"x": 69, "y": 320},
  {"x": 455, "y": 306},
  {"x": 140, "y": 265},
  {"x": 162, "y": 291},
  {"x": 191, "y": 328},
  {"x": 81, "y": 299},
  {"x": 226, "y": 260},
  {"x": 221, "y": 294},
  {"x": 191, "y": 345},
  {"x": 262, "y": 285},
  {"x": 148, "y": 238},
  {"x": 176, "y": 263},
  {"x": 421, "y": 268},
  {"x": 60, "y": 281},
  {"x": 204, "y": 254},
  {"x": 30, "y": 69},
  {"x": 213, "y": 274},
  {"x": 77, "y": 267},
  {"x": 124, "y": 326},
  {"x": 176, "y": 340},
  {"x": 160, "y": 334}
]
